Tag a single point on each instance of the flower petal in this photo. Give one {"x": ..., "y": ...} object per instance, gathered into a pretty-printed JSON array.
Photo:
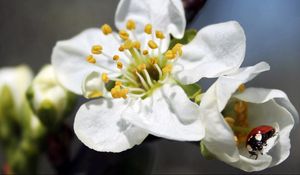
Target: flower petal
[
  {"x": 221, "y": 91},
  {"x": 167, "y": 16},
  {"x": 99, "y": 126},
  {"x": 219, "y": 138},
  {"x": 69, "y": 57},
  {"x": 167, "y": 113},
  {"x": 250, "y": 165},
  {"x": 216, "y": 50}
]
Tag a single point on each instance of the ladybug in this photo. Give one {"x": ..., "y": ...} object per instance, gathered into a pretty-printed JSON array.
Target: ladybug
[{"x": 257, "y": 139}]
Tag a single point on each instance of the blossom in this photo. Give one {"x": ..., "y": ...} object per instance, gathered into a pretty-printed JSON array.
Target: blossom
[
  {"x": 234, "y": 110},
  {"x": 140, "y": 77},
  {"x": 14, "y": 109},
  {"x": 48, "y": 99}
]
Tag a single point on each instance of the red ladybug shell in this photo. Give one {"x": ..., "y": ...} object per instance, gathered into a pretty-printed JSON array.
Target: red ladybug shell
[{"x": 263, "y": 130}]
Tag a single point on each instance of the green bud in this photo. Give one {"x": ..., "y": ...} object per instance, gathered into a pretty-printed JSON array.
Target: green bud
[
  {"x": 205, "y": 153},
  {"x": 48, "y": 99}
]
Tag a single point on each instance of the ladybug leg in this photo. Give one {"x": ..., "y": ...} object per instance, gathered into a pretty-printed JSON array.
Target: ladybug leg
[{"x": 253, "y": 153}]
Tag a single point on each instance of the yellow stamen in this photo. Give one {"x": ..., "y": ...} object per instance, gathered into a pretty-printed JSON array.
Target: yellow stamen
[
  {"x": 105, "y": 78},
  {"x": 137, "y": 44},
  {"x": 118, "y": 83},
  {"x": 121, "y": 48},
  {"x": 148, "y": 29},
  {"x": 145, "y": 52},
  {"x": 91, "y": 59},
  {"x": 152, "y": 44},
  {"x": 240, "y": 107},
  {"x": 117, "y": 92},
  {"x": 230, "y": 121},
  {"x": 159, "y": 35},
  {"x": 141, "y": 67},
  {"x": 95, "y": 94},
  {"x": 123, "y": 34},
  {"x": 128, "y": 44},
  {"x": 153, "y": 60},
  {"x": 242, "y": 88},
  {"x": 177, "y": 49},
  {"x": 170, "y": 55},
  {"x": 124, "y": 93},
  {"x": 97, "y": 49},
  {"x": 106, "y": 29},
  {"x": 130, "y": 25},
  {"x": 119, "y": 65},
  {"x": 116, "y": 57},
  {"x": 167, "y": 68}
]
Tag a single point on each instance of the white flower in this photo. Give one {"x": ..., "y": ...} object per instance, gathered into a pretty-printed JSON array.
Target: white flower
[
  {"x": 48, "y": 99},
  {"x": 233, "y": 111},
  {"x": 138, "y": 75},
  {"x": 17, "y": 79}
]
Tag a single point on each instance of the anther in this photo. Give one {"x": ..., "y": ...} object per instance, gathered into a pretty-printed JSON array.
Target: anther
[
  {"x": 106, "y": 29},
  {"x": 118, "y": 83},
  {"x": 159, "y": 35},
  {"x": 121, "y": 48},
  {"x": 242, "y": 88},
  {"x": 170, "y": 55},
  {"x": 142, "y": 67},
  {"x": 116, "y": 57},
  {"x": 145, "y": 52},
  {"x": 95, "y": 94},
  {"x": 137, "y": 44},
  {"x": 119, "y": 65},
  {"x": 153, "y": 60},
  {"x": 152, "y": 44},
  {"x": 177, "y": 49},
  {"x": 167, "y": 68},
  {"x": 128, "y": 44},
  {"x": 97, "y": 49},
  {"x": 123, "y": 34},
  {"x": 105, "y": 78},
  {"x": 148, "y": 29},
  {"x": 230, "y": 121},
  {"x": 91, "y": 59},
  {"x": 130, "y": 25},
  {"x": 240, "y": 107}
]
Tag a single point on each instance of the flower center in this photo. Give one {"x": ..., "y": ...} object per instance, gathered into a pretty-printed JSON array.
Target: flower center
[
  {"x": 236, "y": 115},
  {"x": 146, "y": 69}
]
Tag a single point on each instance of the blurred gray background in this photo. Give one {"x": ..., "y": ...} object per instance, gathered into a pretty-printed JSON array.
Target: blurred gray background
[{"x": 29, "y": 30}]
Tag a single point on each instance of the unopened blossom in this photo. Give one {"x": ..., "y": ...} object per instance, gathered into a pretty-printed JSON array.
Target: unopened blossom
[
  {"x": 235, "y": 111},
  {"x": 136, "y": 77},
  {"x": 49, "y": 100}
]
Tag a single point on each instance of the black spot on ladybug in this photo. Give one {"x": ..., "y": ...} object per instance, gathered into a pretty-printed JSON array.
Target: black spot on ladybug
[{"x": 257, "y": 139}]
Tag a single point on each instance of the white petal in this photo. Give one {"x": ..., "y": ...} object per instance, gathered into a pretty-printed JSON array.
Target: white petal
[
  {"x": 93, "y": 86},
  {"x": 17, "y": 79},
  {"x": 216, "y": 50},
  {"x": 99, "y": 126},
  {"x": 265, "y": 110},
  {"x": 249, "y": 165},
  {"x": 227, "y": 85},
  {"x": 167, "y": 113},
  {"x": 69, "y": 57},
  {"x": 221, "y": 91},
  {"x": 219, "y": 138},
  {"x": 167, "y": 16}
]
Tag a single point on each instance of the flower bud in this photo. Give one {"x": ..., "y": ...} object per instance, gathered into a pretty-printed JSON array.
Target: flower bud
[{"x": 48, "y": 99}]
